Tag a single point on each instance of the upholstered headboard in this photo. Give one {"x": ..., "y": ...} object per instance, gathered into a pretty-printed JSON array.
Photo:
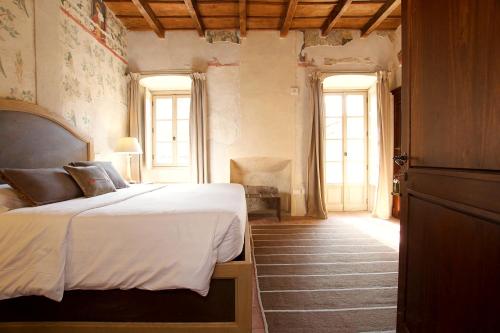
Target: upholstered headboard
[{"x": 32, "y": 137}]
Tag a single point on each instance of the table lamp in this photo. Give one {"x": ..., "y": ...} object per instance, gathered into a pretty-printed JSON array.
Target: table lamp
[{"x": 129, "y": 146}]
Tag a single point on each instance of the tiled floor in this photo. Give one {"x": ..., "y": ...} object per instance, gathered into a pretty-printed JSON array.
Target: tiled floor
[{"x": 383, "y": 230}]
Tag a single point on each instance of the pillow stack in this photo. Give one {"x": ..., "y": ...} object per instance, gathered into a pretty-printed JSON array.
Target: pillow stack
[
  {"x": 113, "y": 174},
  {"x": 36, "y": 187},
  {"x": 93, "y": 180}
]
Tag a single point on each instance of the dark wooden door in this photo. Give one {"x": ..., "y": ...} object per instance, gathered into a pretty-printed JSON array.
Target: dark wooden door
[{"x": 450, "y": 217}]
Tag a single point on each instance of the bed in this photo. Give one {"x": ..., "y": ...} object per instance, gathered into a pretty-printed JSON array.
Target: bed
[{"x": 103, "y": 258}]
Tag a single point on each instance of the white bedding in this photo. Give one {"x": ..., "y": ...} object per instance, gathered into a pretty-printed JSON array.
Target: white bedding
[{"x": 147, "y": 236}]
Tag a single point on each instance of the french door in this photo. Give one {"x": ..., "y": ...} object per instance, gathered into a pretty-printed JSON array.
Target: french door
[{"x": 346, "y": 150}]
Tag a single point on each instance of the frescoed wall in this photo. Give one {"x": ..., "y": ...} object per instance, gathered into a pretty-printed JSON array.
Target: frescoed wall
[
  {"x": 93, "y": 71},
  {"x": 52, "y": 53},
  {"x": 17, "y": 50}
]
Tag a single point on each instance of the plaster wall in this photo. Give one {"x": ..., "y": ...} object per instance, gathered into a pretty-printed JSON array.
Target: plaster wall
[{"x": 252, "y": 109}]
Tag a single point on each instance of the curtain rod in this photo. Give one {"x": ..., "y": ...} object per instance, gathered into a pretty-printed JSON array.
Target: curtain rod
[
  {"x": 333, "y": 72},
  {"x": 165, "y": 72}
]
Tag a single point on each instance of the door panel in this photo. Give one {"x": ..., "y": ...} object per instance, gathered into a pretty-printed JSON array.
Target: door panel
[
  {"x": 450, "y": 213},
  {"x": 451, "y": 292},
  {"x": 456, "y": 50},
  {"x": 334, "y": 197},
  {"x": 334, "y": 153}
]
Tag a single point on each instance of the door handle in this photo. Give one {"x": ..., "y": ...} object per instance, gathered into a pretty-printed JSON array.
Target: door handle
[{"x": 401, "y": 159}]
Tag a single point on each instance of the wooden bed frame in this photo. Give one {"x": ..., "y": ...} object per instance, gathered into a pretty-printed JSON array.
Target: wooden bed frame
[{"x": 32, "y": 137}]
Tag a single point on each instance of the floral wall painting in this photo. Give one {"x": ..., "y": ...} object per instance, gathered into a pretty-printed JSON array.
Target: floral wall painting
[
  {"x": 17, "y": 50},
  {"x": 80, "y": 51},
  {"x": 2, "y": 71},
  {"x": 98, "y": 15},
  {"x": 21, "y": 4},
  {"x": 93, "y": 69}
]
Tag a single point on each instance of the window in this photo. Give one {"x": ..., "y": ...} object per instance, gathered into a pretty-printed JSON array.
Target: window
[{"x": 171, "y": 130}]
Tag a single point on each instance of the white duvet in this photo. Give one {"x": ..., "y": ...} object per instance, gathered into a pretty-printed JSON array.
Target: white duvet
[{"x": 147, "y": 236}]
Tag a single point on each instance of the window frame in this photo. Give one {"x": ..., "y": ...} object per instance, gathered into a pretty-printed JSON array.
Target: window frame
[{"x": 174, "y": 95}]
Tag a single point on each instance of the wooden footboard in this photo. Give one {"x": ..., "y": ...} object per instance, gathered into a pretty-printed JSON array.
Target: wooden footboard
[{"x": 240, "y": 271}]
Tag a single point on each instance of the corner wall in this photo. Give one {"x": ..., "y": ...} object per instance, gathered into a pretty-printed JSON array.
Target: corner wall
[{"x": 252, "y": 109}]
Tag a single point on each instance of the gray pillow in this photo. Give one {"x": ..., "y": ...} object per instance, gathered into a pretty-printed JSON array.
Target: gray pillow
[
  {"x": 42, "y": 186},
  {"x": 115, "y": 176},
  {"x": 93, "y": 180}
]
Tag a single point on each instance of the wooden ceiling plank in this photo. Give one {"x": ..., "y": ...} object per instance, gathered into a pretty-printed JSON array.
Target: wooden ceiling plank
[
  {"x": 123, "y": 8},
  {"x": 150, "y": 17},
  {"x": 287, "y": 21},
  {"x": 243, "y": 18},
  {"x": 193, "y": 12},
  {"x": 266, "y": 9},
  {"x": 384, "y": 11},
  {"x": 172, "y": 9},
  {"x": 335, "y": 15}
]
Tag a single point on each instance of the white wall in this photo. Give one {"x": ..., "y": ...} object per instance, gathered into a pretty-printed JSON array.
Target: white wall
[{"x": 251, "y": 109}]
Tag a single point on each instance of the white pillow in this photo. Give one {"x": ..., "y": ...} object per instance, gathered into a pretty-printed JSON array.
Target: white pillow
[{"x": 9, "y": 199}]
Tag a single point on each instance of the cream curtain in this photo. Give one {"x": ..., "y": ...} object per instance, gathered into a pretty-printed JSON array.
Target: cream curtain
[
  {"x": 382, "y": 205},
  {"x": 315, "y": 196},
  {"x": 136, "y": 122},
  {"x": 198, "y": 128}
]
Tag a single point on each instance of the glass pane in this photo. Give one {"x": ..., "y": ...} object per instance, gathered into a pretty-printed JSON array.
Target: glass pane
[
  {"x": 356, "y": 150},
  {"x": 355, "y": 128},
  {"x": 334, "y": 128},
  {"x": 164, "y": 153},
  {"x": 164, "y": 130},
  {"x": 183, "y": 107},
  {"x": 355, "y": 105},
  {"x": 183, "y": 130},
  {"x": 355, "y": 172},
  {"x": 334, "y": 172},
  {"x": 334, "y": 150},
  {"x": 333, "y": 105},
  {"x": 163, "y": 108},
  {"x": 183, "y": 155}
]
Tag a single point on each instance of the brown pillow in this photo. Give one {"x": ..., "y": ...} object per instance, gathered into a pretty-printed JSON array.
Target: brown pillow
[
  {"x": 93, "y": 180},
  {"x": 113, "y": 174},
  {"x": 42, "y": 186}
]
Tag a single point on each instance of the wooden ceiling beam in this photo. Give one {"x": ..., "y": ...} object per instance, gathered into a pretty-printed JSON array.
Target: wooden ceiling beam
[
  {"x": 243, "y": 18},
  {"x": 149, "y": 16},
  {"x": 195, "y": 15},
  {"x": 337, "y": 12},
  {"x": 387, "y": 8},
  {"x": 287, "y": 21}
]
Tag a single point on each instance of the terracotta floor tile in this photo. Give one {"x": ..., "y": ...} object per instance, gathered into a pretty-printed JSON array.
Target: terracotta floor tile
[
  {"x": 257, "y": 321},
  {"x": 258, "y": 330}
]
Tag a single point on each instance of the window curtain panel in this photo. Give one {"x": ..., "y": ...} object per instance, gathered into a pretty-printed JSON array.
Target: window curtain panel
[
  {"x": 136, "y": 123},
  {"x": 198, "y": 128},
  {"x": 315, "y": 196},
  {"x": 382, "y": 206}
]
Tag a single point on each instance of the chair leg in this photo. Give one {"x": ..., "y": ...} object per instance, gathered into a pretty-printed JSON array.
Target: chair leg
[{"x": 278, "y": 208}]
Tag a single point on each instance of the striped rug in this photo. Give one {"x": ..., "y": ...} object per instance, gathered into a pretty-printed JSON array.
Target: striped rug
[{"x": 324, "y": 278}]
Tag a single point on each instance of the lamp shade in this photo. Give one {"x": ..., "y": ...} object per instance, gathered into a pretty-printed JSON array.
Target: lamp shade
[{"x": 128, "y": 145}]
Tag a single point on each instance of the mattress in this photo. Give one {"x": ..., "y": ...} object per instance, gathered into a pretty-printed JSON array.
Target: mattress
[{"x": 147, "y": 236}]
